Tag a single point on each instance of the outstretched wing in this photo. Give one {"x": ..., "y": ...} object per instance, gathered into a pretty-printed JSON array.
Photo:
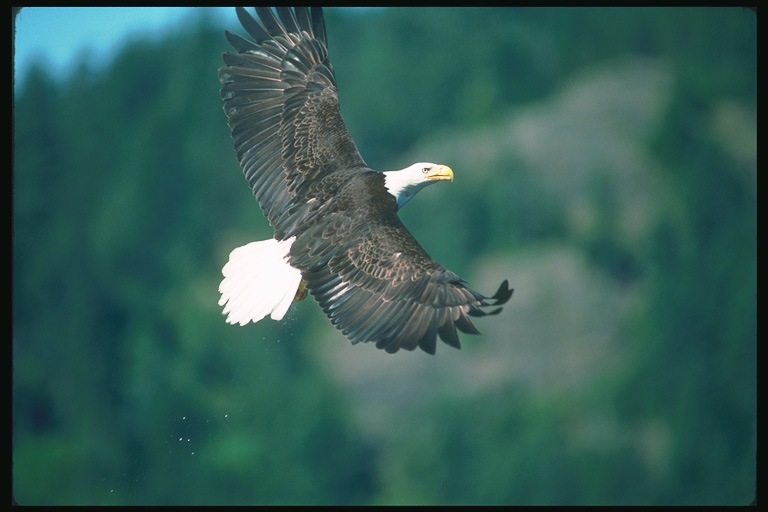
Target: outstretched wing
[
  {"x": 283, "y": 109},
  {"x": 377, "y": 284}
]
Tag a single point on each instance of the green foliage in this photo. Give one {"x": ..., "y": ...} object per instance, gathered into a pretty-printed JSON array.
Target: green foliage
[{"x": 128, "y": 387}]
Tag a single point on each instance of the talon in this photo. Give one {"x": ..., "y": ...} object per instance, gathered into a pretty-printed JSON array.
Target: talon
[{"x": 301, "y": 292}]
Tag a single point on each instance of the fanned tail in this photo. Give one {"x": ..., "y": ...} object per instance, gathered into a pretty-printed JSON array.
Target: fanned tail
[{"x": 258, "y": 281}]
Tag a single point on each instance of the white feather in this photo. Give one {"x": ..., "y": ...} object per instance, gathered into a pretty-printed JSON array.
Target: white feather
[{"x": 258, "y": 281}]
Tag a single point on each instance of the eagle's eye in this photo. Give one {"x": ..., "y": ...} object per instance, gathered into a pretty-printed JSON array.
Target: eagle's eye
[{"x": 425, "y": 170}]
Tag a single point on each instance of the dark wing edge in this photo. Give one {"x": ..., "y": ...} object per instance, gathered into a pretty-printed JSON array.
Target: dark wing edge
[
  {"x": 387, "y": 290},
  {"x": 365, "y": 315},
  {"x": 282, "y": 104}
]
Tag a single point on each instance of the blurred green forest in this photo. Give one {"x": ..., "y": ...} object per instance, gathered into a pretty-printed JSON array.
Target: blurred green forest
[{"x": 605, "y": 164}]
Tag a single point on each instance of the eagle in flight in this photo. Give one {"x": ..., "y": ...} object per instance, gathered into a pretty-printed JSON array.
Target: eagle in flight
[{"x": 336, "y": 230}]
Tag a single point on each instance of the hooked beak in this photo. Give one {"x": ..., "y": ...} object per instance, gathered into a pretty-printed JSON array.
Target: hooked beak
[{"x": 440, "y": 173}]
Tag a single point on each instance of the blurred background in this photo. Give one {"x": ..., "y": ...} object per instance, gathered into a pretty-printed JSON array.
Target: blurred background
[{"x": 605, "y": 164}]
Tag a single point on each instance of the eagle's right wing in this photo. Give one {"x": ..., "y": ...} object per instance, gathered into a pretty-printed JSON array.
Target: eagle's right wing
[{"x": 283, "y": 109}]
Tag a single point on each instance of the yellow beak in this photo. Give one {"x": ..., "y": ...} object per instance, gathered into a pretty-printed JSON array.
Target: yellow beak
[{"x": 440, "y": 173}]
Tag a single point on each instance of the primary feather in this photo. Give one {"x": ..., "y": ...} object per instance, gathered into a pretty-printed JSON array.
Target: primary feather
[{"x": 334, "y": 218}]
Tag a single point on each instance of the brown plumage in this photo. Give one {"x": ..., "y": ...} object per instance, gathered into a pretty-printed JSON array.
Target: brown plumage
[{"x": 370, "y": 276}]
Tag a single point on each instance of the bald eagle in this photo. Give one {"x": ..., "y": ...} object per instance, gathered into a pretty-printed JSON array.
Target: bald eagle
[{"x": 336, "y": 229}]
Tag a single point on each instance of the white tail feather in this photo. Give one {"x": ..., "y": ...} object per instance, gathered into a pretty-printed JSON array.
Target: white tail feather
[{"x": 258, "y": 281}]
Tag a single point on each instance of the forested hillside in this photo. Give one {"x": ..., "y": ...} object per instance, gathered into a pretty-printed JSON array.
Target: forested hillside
[{"x": 605, "y": 164}]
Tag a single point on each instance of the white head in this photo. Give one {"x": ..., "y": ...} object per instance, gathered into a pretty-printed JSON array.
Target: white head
[{"x": 405, "y": 183}]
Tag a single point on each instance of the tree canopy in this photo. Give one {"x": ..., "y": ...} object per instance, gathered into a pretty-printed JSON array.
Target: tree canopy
[{"x": 605, "y": 163}]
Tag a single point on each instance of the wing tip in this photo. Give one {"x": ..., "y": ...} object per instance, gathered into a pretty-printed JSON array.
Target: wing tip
[
  {"x": 503, "y": 294},
  {"x": 447, "y": 330}
]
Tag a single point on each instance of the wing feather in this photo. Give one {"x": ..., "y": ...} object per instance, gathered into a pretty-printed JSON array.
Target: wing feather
[
  {"x": 283, "y": 110},
  {"x": 376, "y": 284}
]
